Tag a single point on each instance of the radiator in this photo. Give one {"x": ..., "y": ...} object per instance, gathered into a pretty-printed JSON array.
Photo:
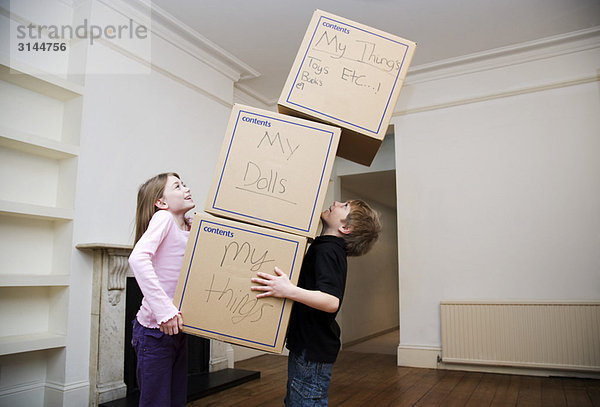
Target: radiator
[{"x": 539, "y": 335}]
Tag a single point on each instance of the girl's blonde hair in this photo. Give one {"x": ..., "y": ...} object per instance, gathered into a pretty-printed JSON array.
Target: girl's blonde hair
[
  {"x": 150, "y": 192},
  {"x": 365, "y": 225}
]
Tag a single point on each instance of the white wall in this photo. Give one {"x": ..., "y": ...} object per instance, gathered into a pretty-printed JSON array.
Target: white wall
[
  {"x": 171, "y": 116},
  {"x": 371, "y": 299},
  {"x": 498, "y": 183},
  {"x": 149, "y": 106},
  {"x": 135, "y": 126},
  {"x": 370, "y": 302}
]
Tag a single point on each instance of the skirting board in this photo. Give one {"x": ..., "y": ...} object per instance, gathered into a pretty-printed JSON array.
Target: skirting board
[
  {"x": 68, "y": 397},
  {"x": 427, "y": 357},
  {"x": 74, "y": 394},
  {"x": 419, "y": 356}
]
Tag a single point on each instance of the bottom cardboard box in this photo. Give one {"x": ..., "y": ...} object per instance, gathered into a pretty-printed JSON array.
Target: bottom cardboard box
[{"x": 213, "y": 292}]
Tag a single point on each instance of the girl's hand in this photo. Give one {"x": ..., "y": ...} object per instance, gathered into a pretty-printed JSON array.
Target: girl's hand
[
  {"x": 278, "y": 286},
  {"x": 172, "y": 326}
]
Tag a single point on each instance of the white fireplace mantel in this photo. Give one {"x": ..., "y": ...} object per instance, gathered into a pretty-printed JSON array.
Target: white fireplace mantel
[
  {"x": 110, "y": 272},
  {"x": 107, "y": 334}
]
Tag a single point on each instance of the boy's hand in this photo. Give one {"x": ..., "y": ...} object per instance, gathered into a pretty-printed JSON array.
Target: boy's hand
[
  {"x": 172, "y": 326},
  {"x": 278, "y": 286}
]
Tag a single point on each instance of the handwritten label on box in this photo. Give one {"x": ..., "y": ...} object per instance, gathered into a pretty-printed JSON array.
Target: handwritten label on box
[
  {"x": 273, "y": 170},
  {"x": 214, "y": 293},
  {"x": 349, "y": 72}
]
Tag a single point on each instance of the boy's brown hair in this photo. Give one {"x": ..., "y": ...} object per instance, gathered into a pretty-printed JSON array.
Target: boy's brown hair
[{"x": 365, "y": 225}]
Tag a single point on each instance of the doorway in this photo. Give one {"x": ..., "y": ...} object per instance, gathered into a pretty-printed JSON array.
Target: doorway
[{"x": 371, "y": 302}]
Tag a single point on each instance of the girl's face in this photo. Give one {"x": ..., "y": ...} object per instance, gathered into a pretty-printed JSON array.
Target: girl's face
[{"x": 176, "y": 197}]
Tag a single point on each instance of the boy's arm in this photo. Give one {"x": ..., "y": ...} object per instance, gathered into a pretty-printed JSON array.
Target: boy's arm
[{"x": 280, "y": 286}]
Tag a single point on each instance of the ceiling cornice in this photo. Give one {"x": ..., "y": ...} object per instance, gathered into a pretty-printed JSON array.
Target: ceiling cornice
[
  {"x": 187, "y": 39},
  {"x": 510, "y": 55}
]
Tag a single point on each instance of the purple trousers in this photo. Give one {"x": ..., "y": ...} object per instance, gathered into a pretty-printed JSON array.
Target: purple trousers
[{"x": 161, "y": 366}]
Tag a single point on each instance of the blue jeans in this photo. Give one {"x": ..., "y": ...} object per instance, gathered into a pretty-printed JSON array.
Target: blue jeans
[
  {"x": 308, "y": 382},
  {"x": 161, "y": 367}
]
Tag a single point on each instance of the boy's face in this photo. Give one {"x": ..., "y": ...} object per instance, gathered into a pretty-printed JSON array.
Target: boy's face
[{"x": 335, "y": 216}]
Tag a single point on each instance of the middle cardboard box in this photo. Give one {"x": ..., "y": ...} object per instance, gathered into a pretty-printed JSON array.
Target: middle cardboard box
[
  {"x": 213, "y": 291},
  {"x": 273, "y": 170}
]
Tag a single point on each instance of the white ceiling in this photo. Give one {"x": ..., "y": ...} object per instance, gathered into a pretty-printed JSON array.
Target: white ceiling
[{"x": 266, "y": 34}]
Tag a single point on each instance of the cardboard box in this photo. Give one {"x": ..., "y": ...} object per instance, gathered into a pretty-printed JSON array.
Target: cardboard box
[
  {"x": 349, "y": 75},
  {"x": 273, "y": 170},
  {"x": 213, "y": 292}
]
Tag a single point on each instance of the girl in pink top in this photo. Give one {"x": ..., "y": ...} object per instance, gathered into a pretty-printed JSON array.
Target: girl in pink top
[{"x": 162, "y": 231}]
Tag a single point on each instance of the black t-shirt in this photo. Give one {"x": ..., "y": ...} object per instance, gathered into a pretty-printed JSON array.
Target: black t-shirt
[{"x": 324, "y": 269}]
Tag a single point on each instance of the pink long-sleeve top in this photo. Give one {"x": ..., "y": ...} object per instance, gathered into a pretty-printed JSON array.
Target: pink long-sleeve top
[{"x": 155, "y": 262}]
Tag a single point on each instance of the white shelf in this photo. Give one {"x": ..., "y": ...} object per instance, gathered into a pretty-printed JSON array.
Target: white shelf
[
  {"x": 32, "y": 144},
  {"x": 40, "y": 129},
  {"x": 35, "y": 211},
  {"x": 34, "y": 280},
  {"x": 29, "y": 77},
  {"x": 32, "y": 342}
]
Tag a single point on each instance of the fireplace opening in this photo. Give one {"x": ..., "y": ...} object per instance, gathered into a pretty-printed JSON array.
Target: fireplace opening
[
  {"x": 198, "y": 348},
  {"x": 201, "y": 382},
  {"x": 112, "y": 387}
]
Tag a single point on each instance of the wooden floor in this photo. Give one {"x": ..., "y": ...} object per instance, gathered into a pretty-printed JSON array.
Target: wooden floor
[{"x": 369, "y": 379}]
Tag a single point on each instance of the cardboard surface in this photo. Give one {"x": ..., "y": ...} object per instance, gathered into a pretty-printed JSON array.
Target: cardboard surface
[
  {"x": 273, "y": 170},
  {"x": 213, "y": 292},
  {"x": 349, "y": 75}
]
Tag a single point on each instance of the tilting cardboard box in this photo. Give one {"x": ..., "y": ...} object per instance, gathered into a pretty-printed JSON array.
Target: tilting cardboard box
[
  {"x": 213, "y": 292},
  {"x": 273, "y": 170},
  {"x": 349, "y": 75}
]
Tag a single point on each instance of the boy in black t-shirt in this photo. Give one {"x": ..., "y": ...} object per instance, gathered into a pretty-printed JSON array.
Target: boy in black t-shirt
[{"x": 349, "y": 229}]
